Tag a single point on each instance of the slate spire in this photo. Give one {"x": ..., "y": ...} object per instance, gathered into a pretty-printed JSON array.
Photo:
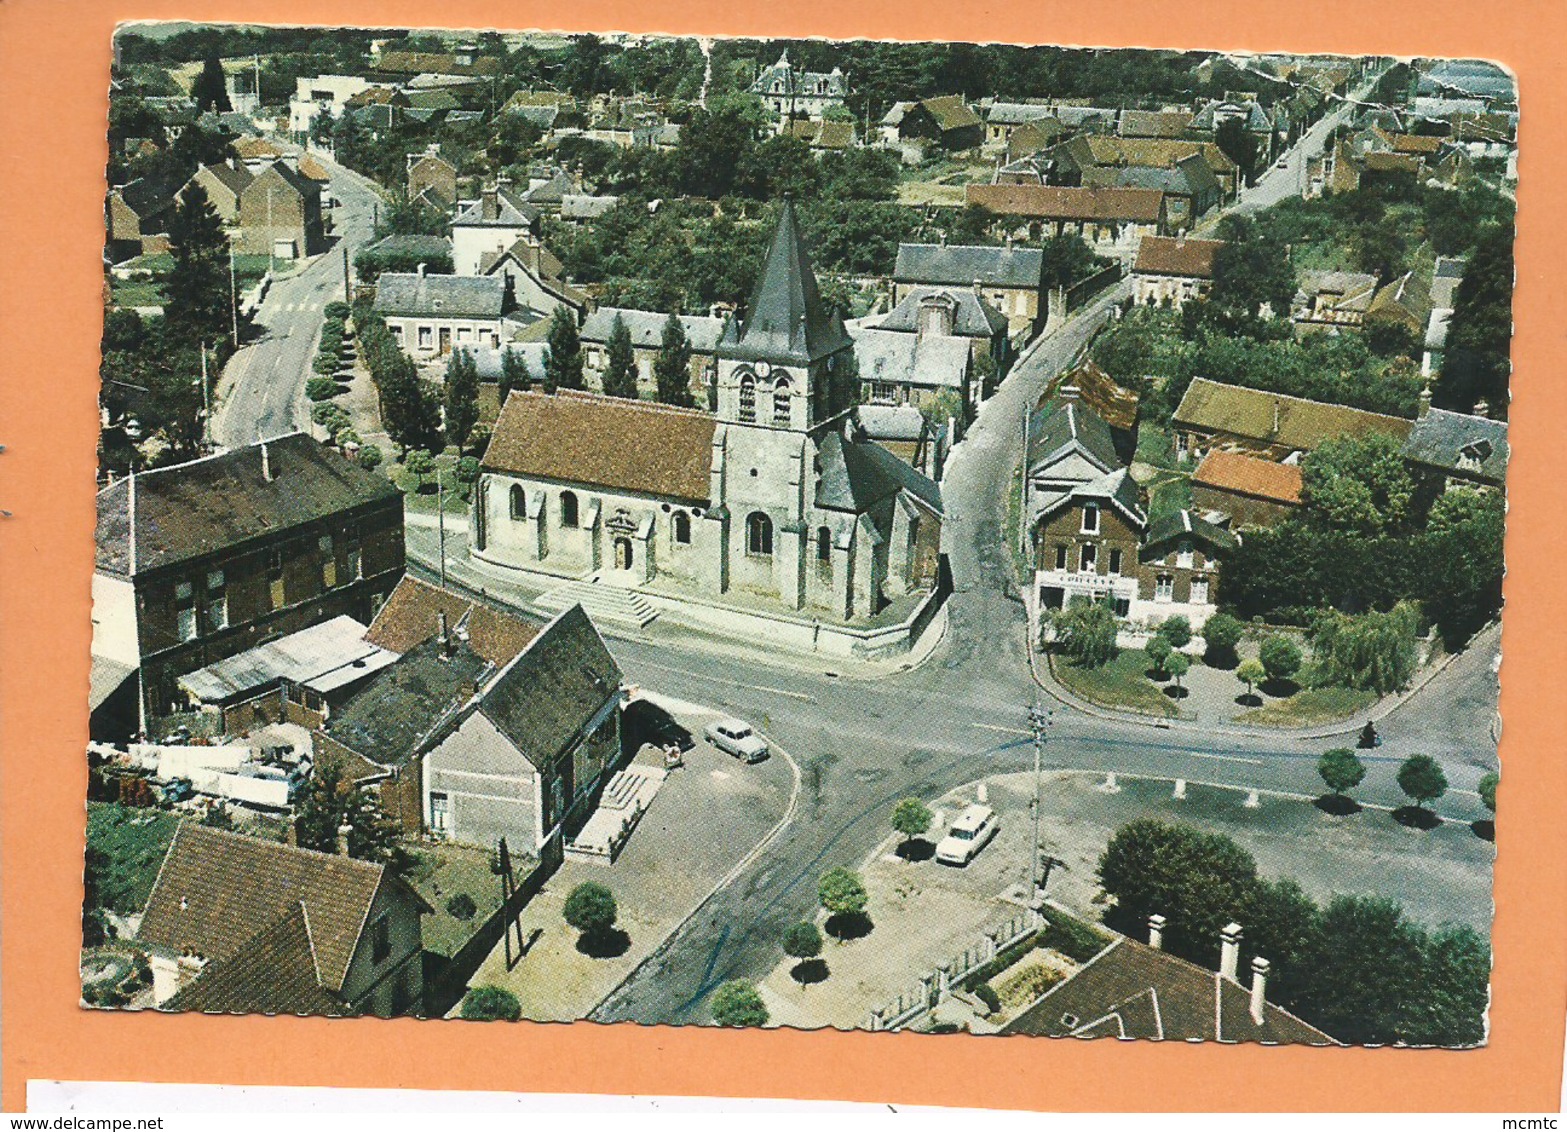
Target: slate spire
[{"x": 786, "y": 320}]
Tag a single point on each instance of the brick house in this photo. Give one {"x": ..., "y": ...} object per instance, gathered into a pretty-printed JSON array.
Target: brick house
[
  {"x": 1213, "y": 415},
  {"x": 138, "y": 218},
  {"x": 1169, "y": 270},
  {"x": 280, "y": 214},
  {"x": 1112, "y": 221},
  {"x": 432, "y": 177},
  {"x": 223, "y": 184},
  {"x": 1252, "y": 491},
  {"x": 199, "y": 561}
]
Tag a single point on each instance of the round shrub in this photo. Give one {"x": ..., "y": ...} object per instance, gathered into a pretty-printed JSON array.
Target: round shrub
[
  {"x": 370, "y": 457},
  {"x": 320, "y": 388},
  {"x": 462, "y": 906},
  {"x": 337, "y": 309},
  {"x": 491, "y": 1004},
  {"x": 325, "y": 364},
  {"x": 987, "y": 994}
]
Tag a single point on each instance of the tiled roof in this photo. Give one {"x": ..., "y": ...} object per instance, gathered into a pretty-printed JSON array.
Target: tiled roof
[
  {"x": 217, "y": 890},
  {"x": 1115, "y": 404},
  {"x": 1274, "y": 418},
  {"x": 232, "y": 177},
  {"x": 960, "y": 265},
  {"x": 786, "y": 319},
  {"x": 1070, "y": 427},
  {"x": 1116, "y": 487},
  {"x": 188, "y": 510},
  {"x": 431, "y": 62},
  {"x": 1406, "y": 299},
  {"x": 927, "y": 360},
  {"x": 1130, "y": 990},
  {"x": 1355, "y": 289},
  {"x": 250, "y": 149},
  {"x": 1176, "y": 255},
  {"x": 1015, "y": 113},
  {"x": 822, "y": 135},
  {"x": 1415, "y": 143},
  {"x": 1154, "y": 123},
  {"x": 950, "y": 112},
  {"x": 1458, "y": 442},
  {"x": 606, "y": 442},
  {"x": 972, "y": 315},
  {"x": 511, "y": 211},
  {"x": 893, "y": 422},
  {"x": 1184, "y": 525},
  {"x": 647, "y": 328},
  {"x": 334, "y": 653},
  {"x": 274, "y": 972},
  {"x": 389, "y": 719},
  {"x": 411, "y": 616},
  {"x": 857, "y": 474},
  {"x": 545, "y": 697},
  {"x": 291, "y": 178},
  {"x": 1250, "y": 475},
  {"x": 1139, "y": 205},
  {"x": 145, "y": 197},
  {"x": 444, "y": 296}
]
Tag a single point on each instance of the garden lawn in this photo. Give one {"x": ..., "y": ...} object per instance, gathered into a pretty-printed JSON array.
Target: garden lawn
[
  {"x": 1310, "y": 705},
  {"x": 1121, "y": 683},
  {"x": 133, "y": 843},
  {"x": 440, "y": 873}
]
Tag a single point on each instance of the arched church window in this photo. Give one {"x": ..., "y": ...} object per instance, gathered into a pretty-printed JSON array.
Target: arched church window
[
  {"x": 781, "y": 402},
  {"x": 748, "y": 398},
  {"x": 519, "y": 505},
  {"x": 758, "y": 534},
  {"x": 568, "y": 509},
  {"x": 682, "y": 526}
]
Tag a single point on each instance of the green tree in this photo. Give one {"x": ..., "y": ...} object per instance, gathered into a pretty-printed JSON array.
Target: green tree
[
  {"x": 419, "y": 463},
  {"x": 1177, "y": 630},
  {"x": 1065, "y": 259},
  {"x": 208, "y": 90},
  {"x": 803, "y": 941},
  {"x": 1422, "y": 779},
  {"x": 1477, "y": 362},
  {"x": 1196, "y": 880},
  {"x": 330, "y": 801},
  {"x": 490, "y": 1004},
  {"x": 1221, "y": 633},
  {"x": 1380, "y": 248},
  {"x": 620, "y": 374},
  {"x": 1158, "y": 651},
  {"x": 462, "y": 397},
  {"x": 1375, "y": 651},
  {"x": 912, "y": 818},
  {"x": 563, "y": 357},
  {"x": 1487, "y": 790},
  {"x": 370, "y": 457},
  {"x": 1362, "y": 970},
  {"x": 590, "y": 908},
  {"x": 1085, "y": 632},
  {"x": 842, "y": 892},
  {"x": 738, "y": 1004},
  {"x": 1251, "y": 270},
  {"x": 1251, "y": 673},
  {"x": 1280, "y": 658},
  {"x": 1358, "y": 483},
  {"x": 514, "y": 373},
  {"x": 1341, "y": 769},
  {"x": 672, "y": 366},
  {"x": 1178, "y": 665},
  {"x": 1239, "y": 146},
  {"x": 197, "y": 291}
]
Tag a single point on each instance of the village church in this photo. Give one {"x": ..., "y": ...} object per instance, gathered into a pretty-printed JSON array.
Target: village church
[{"x": 777, "y": 505}]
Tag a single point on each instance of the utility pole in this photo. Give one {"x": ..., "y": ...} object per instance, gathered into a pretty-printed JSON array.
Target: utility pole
[
  {"x": 233, "y": 300},
  {"x": 1040, "y": 720},
  {"x": 440, "y": 519},
  {"x": 206, "y": 402},
  {"x": 347, "y": 294}
]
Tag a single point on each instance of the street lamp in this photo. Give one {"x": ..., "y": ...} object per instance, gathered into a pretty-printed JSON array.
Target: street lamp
[{"x": 1040, "y": 720}]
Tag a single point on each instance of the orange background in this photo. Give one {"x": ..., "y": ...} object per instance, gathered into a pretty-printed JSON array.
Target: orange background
[{"x": 54, "y": 71}]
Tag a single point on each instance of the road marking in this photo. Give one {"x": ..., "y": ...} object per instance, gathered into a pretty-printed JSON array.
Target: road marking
[
  {"x": 995, "y": 727},
  {"x": 733, "y": 683},
  {"x": 1226, "y": 758}
]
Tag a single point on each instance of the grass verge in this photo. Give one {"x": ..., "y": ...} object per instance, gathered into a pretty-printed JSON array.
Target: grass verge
[
  {"x": 1309, "y": 706},
  {"x": 1120, "y": 684}
]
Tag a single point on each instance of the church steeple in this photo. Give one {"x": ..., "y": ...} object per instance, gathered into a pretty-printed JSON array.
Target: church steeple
[{"x": 786, "y": 321}]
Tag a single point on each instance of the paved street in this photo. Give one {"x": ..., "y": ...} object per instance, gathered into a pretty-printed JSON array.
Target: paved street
[{"x": 262, "y": 391}]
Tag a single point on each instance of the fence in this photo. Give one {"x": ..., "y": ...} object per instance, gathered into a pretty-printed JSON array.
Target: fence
[{"x": 935, "y": 986}]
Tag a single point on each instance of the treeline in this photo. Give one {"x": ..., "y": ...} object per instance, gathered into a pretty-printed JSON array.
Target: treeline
[
  {"x": 1356, "y": 968},
  {"x": 410, "y": 406}
]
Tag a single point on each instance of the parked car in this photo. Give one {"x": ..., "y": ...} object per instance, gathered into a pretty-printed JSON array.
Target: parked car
[
  {"x": 735, "y": 737},
  {"x": 178, "y": 790},
  {"x": 969, "y": 834}
]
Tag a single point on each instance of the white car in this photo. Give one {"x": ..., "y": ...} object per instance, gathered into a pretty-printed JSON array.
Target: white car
[
  {"x": 969, "y": 834},
  {"x": 735, "y": 737}
]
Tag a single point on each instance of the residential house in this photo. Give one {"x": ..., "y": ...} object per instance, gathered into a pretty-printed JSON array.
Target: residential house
[
  {"x": 915, "y": 369},
  {"x": 1328, "y": 300},
  {"x": 223, "y": 183},
  {"x": 821, "y": 136},
  {"x": 1132, "y": 990},
  {"x": 463, "y": 63},
  {"x": 199, "y": 561},
  {"x": 1258, "y": 124},
  {"x": 432, "y": 178},
  {"x": 491, "y": 225},
  {"x": 1405, "y": 302},
  {"x": 238, "y": 925},
  {"x": 947, "y": 120},
  {"x": 791, "y": 92},
  {"x": 1448, "y": 449},
  {"x": 546, "y": 109},
  {"x": 1112, "y": 221},
  {"x": 646, "y": 329},
  {"x": 430, "y": 315},
  {"x": 377, "y": 108},
  {"x": 534, "y": 279},
  {"x": 1170, "y": 270},
  {"x": 1011, "y": 279},
  {"x": 1275, "y": 426},
  {"x": 644, "y": 495},
  {"x": 1004, "y": 119},
  {"x": 1033, "y": 136},
  {"x": 1178, "y": 567},
  {"x": 528, "y": 755},
  {"x": 1168, "y": 124},
  {"x": 1100, "y": 160},
  {"x": 139, "y": 214},
  {"x": 910, "y": 435},
  {"x": 323, "y": 94},
  {"x": 963, "y": 312},
  {"x": 1249, "y": 490},
  {"x": 280, "y": 215},
  {"x": 1105, "y": 398},
  {"x": 256, "y": 153}
]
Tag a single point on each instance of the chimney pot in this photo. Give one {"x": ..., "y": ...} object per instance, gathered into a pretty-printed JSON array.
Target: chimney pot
[
  {"x": 1259, "y": 988},
  {"x": 342, "y": 839},
  {"x": 1156, "y": 924},
  {"x": 447, "y": 644},
  {"x": 422, "y": 268},
  {"x": 266, "y": 463},
  {"x": 1229, "y": 950}
]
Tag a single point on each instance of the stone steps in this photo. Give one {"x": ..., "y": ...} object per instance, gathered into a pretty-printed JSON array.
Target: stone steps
[{"x": 601, "y": 603}]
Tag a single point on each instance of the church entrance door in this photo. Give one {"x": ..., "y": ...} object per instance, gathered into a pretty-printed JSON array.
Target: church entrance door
[{"x": 623, "y": 555}]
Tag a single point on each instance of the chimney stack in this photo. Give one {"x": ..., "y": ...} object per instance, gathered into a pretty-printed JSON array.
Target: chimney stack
[
  {"x": 342, "y": 839},
  {"x": 1275, "y": 418},
  {"x": 1425, "y": 400},
  {"x": 1259, "y": 988},
  {"x": 489, "y": 206},
  {"x": 266, "y": 463},
  {"x": 1156, "y": 924},
  {"x": 421, "y": 269},
  {"x": 1070, "y": 394},
  {"x": 1229, "y": 950}
]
